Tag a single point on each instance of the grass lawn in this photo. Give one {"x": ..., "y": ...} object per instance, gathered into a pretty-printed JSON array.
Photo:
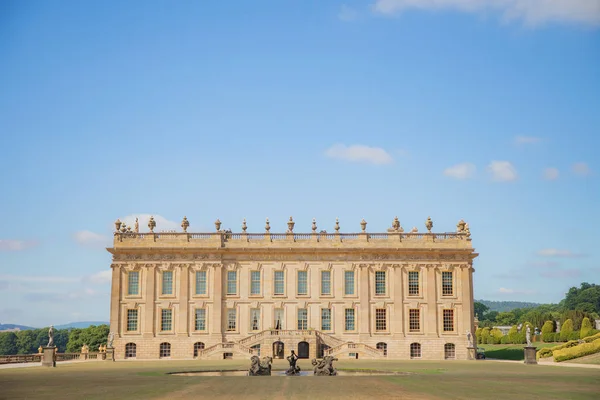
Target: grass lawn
[
  {"x": 428, "y": 380},
  {"x": 509, "y": 351},
  {"x": 591, "y": 359}
]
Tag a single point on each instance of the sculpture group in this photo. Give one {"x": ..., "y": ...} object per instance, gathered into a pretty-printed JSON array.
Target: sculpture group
[
  {"x": 324, "y": 367},
  {"x": 262, "y": 367}
]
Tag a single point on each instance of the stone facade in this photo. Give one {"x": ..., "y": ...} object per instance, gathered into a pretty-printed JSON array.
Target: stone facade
[{"x": 341, "y": 294}]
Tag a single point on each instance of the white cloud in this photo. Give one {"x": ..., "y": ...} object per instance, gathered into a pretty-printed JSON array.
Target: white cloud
[
  {"x": 551, "y": 174},
  {"x": 15, "y": 245},
  {"x": 502, "y": 171},
  {"x": 100, "y": 278},
  {"x": 580, "y": 168},
  {"x": 521, "y": 140},
  {"x": 359, "y": 153},
  {"x": 460, "y": 171},
  {"x": 531, "y": 12},
  {"x": 88, "y": 238},
  {"x": 557, "y": 253},
  {"x": 347, "y": 13},
  {"x": 162, "y": 223}
]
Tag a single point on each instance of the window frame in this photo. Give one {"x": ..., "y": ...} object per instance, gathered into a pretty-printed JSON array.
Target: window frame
[
  {"x": 196, "y": 309},
  {"x": 408, "y": 283},
  {"x": 282, "y": 321},
  {"x": 228, "y": 320},
  {"x": 418, "y": 348},
  {"x": 353, "y": 319},
  {"x": 385, "y": 328},
  {"x": 167, "y": 349},
  {"x": 162, "y": 320},
  {"x": 330, "y": 282},
  {"x": 449, "y": 351},
  {"x": 445, "y": 319},
  {"x": 452, "y": 289},
  {"x": 129, "y": 274},
  {"x": 275, "y": 273},
  {"x": 162, "y": 283},
  {"x": 354, "y": 283},
  {"x": 137, "y": 320},
  {"x": 307, "y": 293},
  {"x": 330, "y": 319},
  {"x": 196, "y": 281},
  {"x": 385, "y": 281},
  {"x": 305, "y": 312},
  {"x": 252, "y": 311},
  {"x": 411, "y": 320},
  {"x": 252, "y": 281},
  {"x": 128, "y": 351},
  {"x": 236, "y": 283}
]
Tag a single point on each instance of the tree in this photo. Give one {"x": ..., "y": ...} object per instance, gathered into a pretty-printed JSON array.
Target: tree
[
  {"x": 586, "y": 298},
  {"x": 506, "y": 318},
  {"x": 8, "y": 343},
  {"x": 586, "y": 328},
  {"x": 566, "y": 330},
  {"x": 548, "y": 331},
  {"x": 92, "y": 336},
  {"x": 478, "y": 335},
  {"x": 513, "y": 334},
  {"x": 480, "y": 309},
  {"x": 26, "y": 341},
  {"x": 495, "y": 336},
  {"x": 485, "y": 335}
]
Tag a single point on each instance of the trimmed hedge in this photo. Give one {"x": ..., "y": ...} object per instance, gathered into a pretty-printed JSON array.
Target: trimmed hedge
[
  {"x": 566, "y": 330},
  {"x": 584, "y": 349},
  {"x": 549, "y": 351},
  {"x": 586, "y": 328},
  {"x": 592, "y": 338}
]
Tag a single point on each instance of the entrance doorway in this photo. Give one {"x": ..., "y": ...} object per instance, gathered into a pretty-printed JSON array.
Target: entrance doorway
[
  {"x": 303, "y": 348},
  {"x": 278, "y": 350}
]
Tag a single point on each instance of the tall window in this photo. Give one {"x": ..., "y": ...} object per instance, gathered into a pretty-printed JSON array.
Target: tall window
[
  {"x": 231, "y": 282},
  {"x": 349, "y": 319},
  {"x": 302, "y": 282},
  {"x": 255, "y": 282},
  {"x": 414, "y": 320},
  {"x": 133, "y": 283},
  {"x": 325, "y": 319},
  {"x": 231, "y": 319},
  {"x": 447, "y": 283},
  {"x": 254, "y": 319},
  {"x": 130, "y": 350},
  {"x": 278, "y": 278},
  {"x": 198, "y": 347},
  {"x": 413, "y": 283},
  {"x": 348, "y": 282},
  {"x": 166, "y": 319},
  {"x": 448, "y": 320},
  {"x": 449, "y": 351},
  {"x": 201, "y": 282},
  {"x": 302, "y": 319},
  {"x": 132, "y": 320},
  {"x": 415, "y": 350},
  {"x": 165, "y": 350},
  {"x": 380, "y": 319},
  {"x": 325, "y": 282},
  {"x": 278, "y": 318},
  {"x": 167, "y": 282},
  {"x": 380, "y": 283},
  {"x": 200, "y": 319},
  {"x": 382, "y": 346}
]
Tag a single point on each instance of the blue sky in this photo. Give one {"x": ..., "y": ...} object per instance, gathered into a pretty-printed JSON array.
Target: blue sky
[{"x": 483, "y": 110}]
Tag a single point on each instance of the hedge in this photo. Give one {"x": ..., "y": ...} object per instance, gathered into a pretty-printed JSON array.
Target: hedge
[
  {"x": 549, "y": 351},
  {"x": 592, "y": 338},
  {"x": 586, "y": 328},
  {"x": 584, "y": 349}
]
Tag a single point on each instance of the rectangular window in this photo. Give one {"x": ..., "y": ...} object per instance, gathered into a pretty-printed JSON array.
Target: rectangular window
[
  {"x": 278, "y": 323},
  {"x": 132, "y": 320},
  {"x": 231, "y": 282},
  {"x": 302, "y": 282},
  {"x": 231, "y": 319},
  {"x": 201, "y": 282},
  {"x": 380, "y": 319},
  {"x": 349, "y": 319},
  {"x": 448, "y": 320},
  {"x": 167, "y": 282},
  {"x": 413, "y": 283},
  {"x": 325, "y": 282},
  {"x": 133, "y": 283},
  {"x": 325, "y": 319},
  {"x": 166, "y": 320},
  {"x": 302, "y": 319},
  {"x": 200, "y": 319},
  {"x": 348, "y": 282},
  {"x": 255, "y": 319},
  {"x": 447, "y": 283},
  {"x": 380, "y": 283},
  {"x": 255, "y": 282},
  {"x": 414, "y": 320},
  {"x": 278, "y": 278}
]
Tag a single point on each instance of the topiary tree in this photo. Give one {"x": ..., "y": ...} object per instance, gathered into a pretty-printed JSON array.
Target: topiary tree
[
  {"x": 512, "y": 335},
  {"x": 478, "y": 335},
  {"x": 586, "y": 328},
  {"x": 496, "y": 336},
  {"x": 548, "y": 331},
  {"x": 485, "y": 335},
  {"x": 566, "y": 330}
]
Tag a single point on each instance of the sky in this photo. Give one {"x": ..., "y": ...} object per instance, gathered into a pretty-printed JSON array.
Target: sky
[{"x": 487, "y": 111}]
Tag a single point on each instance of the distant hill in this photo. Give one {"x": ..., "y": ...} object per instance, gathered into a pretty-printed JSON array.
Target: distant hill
[
  {"x": 501, "y": 306},
  {"x": 5, "y": 327},
  {"x": 80, "y": 325}
]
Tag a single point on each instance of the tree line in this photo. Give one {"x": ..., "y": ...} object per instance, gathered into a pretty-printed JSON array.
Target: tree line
[{"x": 67, "y": 340}]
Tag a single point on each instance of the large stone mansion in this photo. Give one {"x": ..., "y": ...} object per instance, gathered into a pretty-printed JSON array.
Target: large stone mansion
[{"x": 398, "y": 295}]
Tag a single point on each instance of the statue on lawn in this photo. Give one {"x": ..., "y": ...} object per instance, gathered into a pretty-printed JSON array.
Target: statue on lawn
[
  {"x": 51, "y": 336},
  {"x": 528, "y": 336},
  {"x": 293, "y": 369},
  {"x": 324, "y": 367},
  {"x": 260, "y": 367}
]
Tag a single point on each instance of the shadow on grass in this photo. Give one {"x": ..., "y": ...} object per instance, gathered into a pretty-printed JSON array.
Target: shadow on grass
[{"x": 505, "y": 354}]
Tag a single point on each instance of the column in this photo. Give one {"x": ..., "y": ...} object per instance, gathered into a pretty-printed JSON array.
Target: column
[
  {"x": 216, "y": 327},
  {"x": 149, "y": 309},
  {"x": 364, "y": 317},
  {"x": 115, "y": 299},
  {"x": 183, "y": 321}
]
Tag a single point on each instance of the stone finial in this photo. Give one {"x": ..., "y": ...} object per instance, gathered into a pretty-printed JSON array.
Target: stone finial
[
  {"x": 244, "y": 226},
  {"x": 460, "y": 227},
  {"x": 117, "y": 225},
  {"x": 136, "y": 226},
  {"x": 337, "y": 225},
  {"x": 314, "y": 225},
  {"x": 185, "y": 224},
  {"x": 123, "y": 227},
  {"x": 396, "y": 224},
  {"x": 267, "y": 226},
  {"x": 414, "y": 230},
  {"x": 129, "y": 229},
  {"x": 429, "y": 224},
  {"x": 467, "y": 230},
  {"x": 363, "y": 225},
  {"x": 151, "y": 224},
  {"x": 218, "y": 225},
  {"x": 290, "y": 225}
]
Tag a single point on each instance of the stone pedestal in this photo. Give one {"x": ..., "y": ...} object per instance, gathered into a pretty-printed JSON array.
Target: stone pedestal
[
  {"x": 48, "y": 356},
  {"x": 471, "y": 353},
  {"x": 530, "y": 354},
  {"x": 110, "y": 354}
]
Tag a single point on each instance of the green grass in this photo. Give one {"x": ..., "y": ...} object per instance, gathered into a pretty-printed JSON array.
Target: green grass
[
  {"x": 428, "y": 380},
  {"x": 592, "y": 359},
  {"x": 509, "y": 351}
]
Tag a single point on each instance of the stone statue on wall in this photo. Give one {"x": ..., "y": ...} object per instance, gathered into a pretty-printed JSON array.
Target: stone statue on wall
[
  {"x": 469, "y": 338},
  {"x": 51, "y": 336},
  {"x": 111, "y": 338},
  {"x": 528, "y": 336},
  {"x": 260, "y": 367},
  {"x": 324, "y": 367},
  {"x": 293, "y": 369}
]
